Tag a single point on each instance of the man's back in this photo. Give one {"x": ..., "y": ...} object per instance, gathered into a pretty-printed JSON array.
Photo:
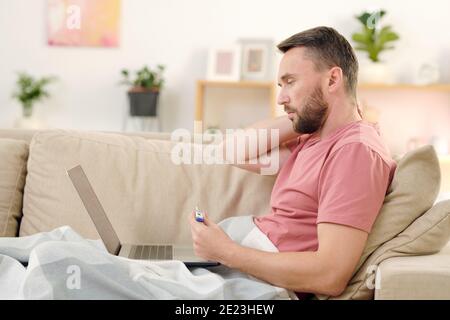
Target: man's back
[{"x": 341, "y": 179}]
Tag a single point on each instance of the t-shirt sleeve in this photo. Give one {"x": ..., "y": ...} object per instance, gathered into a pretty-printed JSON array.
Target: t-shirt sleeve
[{"x": 352, "y": 185}]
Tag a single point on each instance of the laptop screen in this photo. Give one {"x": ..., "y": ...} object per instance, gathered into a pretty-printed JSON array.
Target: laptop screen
[{"x": 95, "y": 209}]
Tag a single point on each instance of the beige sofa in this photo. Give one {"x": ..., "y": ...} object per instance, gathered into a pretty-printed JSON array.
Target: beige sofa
[{"x": 147, "y": 198}]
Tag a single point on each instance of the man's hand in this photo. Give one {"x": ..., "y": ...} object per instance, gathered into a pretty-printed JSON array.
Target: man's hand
[
  {"x": 209, "y": 240},
  {"x": 325, "y": 271}
]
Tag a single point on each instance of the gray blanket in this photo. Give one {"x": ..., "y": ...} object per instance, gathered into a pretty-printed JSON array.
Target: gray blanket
[{"x": 63, "y": 265}]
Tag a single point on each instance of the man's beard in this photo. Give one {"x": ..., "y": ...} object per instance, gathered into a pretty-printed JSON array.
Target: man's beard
[{"x": 312, "y": 115}]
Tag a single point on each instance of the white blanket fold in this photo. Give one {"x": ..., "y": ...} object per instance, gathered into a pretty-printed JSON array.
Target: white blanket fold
[{"x": 61, "y": 264}]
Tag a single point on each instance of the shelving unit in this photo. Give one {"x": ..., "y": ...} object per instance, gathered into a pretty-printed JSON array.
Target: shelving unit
[
  {"x": 408, "y": 112},
  {"x": 405, "y": 86},
  {"x": 203, "y": 84}
]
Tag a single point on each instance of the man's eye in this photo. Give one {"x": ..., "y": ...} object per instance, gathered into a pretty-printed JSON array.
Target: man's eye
[{"x": 290, "y": 82}]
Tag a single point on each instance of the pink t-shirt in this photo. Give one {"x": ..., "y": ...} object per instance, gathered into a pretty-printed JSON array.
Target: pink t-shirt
[{"x": 340, "y": 179}]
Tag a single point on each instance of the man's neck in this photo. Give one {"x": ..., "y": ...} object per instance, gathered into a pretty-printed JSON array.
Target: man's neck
[{"x": 339, "y": 117}]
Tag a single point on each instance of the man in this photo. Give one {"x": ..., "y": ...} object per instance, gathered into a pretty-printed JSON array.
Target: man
[{"x": 333, "y": 177}]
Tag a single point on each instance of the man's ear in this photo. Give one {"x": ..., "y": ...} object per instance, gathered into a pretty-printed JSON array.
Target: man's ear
[{"x": 335, "y": 79}]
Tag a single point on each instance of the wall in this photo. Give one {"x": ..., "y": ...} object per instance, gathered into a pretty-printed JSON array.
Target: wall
[{"x": 177, "y": 34}]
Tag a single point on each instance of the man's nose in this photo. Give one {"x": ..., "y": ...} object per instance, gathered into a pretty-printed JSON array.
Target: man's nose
[{"x": 282, "y": 98}]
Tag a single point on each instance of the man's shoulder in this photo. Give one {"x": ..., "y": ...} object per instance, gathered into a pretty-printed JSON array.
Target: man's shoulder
[{"x": 364, "y": 134}]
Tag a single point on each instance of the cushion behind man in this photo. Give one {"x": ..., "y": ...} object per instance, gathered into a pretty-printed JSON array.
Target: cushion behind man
[
  {"x": 413, "y": 190},
  {"x": 427, "y": 235}
]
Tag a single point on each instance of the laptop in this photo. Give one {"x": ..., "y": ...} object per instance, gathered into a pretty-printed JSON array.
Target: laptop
[{"x": 111, "y": 240}]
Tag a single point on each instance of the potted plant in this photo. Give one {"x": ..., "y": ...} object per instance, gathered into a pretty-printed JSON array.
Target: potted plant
[
  {"x": 30, "y": 90},
  {"x": 374, "y": 39},
  {"x": 144, "y": 91}
]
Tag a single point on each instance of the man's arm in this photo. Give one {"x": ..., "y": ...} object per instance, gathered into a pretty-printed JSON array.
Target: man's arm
[
  {"x": 325, "y": 271},
  {"x": 241, "y": 150},
  {"x": 283, "y": 155}
]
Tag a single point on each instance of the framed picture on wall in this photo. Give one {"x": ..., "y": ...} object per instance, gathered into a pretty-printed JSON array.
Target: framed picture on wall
[
  {"x": 224, "y": 63},
  {"x": 82, "y": 23},
  {"x": 257, "y": 59}
]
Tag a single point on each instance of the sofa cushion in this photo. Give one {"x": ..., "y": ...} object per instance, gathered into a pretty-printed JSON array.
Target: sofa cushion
[
  {"x": 412, "y": 192},
  {"x": 427, "y": 235},
  {"x": 145, "y": 195},
  {"x": 13, "y": 161}
]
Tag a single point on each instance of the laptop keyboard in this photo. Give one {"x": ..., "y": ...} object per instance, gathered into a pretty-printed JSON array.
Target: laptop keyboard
[{"x": 152, "y": 252}]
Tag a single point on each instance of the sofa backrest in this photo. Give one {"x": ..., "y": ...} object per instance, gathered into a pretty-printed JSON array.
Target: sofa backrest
[
  {"x": 27, "y": 134},
  {"x": 146, "y": 196}
]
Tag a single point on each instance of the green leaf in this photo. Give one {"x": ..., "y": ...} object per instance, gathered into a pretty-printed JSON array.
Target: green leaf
[
  {"x": 147, "y": 77},
  {"x": 385, "y": 35},
  {"x": 359, "y": 37},
  {"x": 363, "y": 17}
]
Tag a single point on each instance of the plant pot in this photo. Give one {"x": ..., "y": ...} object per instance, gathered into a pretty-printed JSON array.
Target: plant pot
[
  {"x": 375, "y": 72},
  {"x": 143, "y": 102}
]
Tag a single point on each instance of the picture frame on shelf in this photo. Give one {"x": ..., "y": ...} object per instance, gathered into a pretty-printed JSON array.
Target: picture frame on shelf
[
  {"x": 224, "y": 63},
  {"x": 257, "y": 59}
]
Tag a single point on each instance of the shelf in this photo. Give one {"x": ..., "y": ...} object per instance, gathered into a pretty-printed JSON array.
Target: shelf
[
  {"x": 364, "y": 86},
  {"x": 203, "y": 84},
  {"x": 236, "y": 84},
  {"x": 445, "y": 87}
]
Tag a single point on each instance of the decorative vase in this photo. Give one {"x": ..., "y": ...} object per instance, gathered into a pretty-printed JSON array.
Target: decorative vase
[
  {"x": 27, "y": 120},
  {"x": 27, "y": 110},
  {"x": 426, "y": 73},
  {"x": 375, "y": 72},
  {"x": 27, "y": 123}
]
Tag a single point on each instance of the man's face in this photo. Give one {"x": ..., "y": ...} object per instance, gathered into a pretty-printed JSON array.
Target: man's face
[{"x": 301, "y": 93}]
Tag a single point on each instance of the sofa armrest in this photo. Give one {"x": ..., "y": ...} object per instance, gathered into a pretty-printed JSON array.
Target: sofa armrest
[{"x": 413, "y": 278}]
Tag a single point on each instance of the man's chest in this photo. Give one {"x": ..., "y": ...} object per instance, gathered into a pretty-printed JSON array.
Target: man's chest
[{"x": 298, "y": 182}]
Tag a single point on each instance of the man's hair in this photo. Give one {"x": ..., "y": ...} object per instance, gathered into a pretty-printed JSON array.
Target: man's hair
[{"x": 327, "y": 48}]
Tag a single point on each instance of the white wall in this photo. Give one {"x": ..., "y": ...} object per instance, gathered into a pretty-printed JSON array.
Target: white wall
[{"x": 177, "y": 33}]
